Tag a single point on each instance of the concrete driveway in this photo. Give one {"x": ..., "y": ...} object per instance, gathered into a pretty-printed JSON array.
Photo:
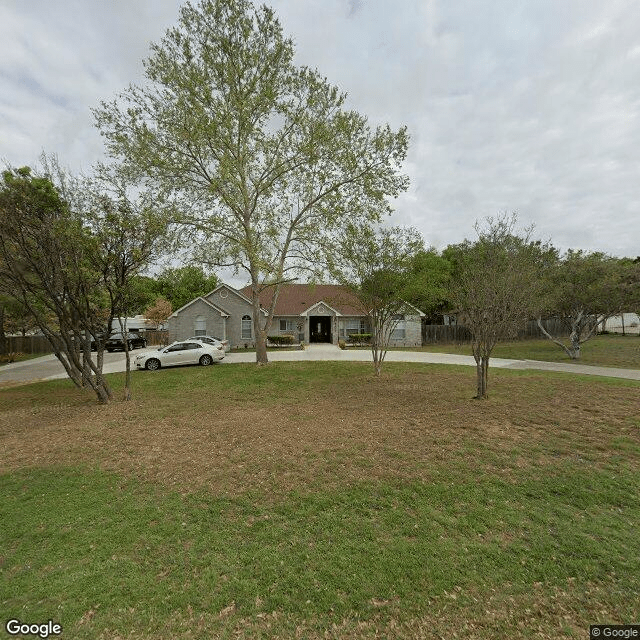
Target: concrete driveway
[{"x": 48, "y": 367}]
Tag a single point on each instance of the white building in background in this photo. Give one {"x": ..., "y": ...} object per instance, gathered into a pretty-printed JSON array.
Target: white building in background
[
  {"x": 629, "y": 322},
  {"x": 136, "y": 323}
]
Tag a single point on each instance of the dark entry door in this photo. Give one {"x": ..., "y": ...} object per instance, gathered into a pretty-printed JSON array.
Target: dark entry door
[{"x": 320, "y": 329}]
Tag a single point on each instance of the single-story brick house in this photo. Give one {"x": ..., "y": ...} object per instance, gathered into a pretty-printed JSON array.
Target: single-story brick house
[{"x": 311, "y": 313}]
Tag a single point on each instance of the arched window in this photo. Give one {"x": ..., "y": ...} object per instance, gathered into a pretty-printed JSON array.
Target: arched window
[
  {"x": 246, "y": 332},
  {"x": 200, "y": 326}
]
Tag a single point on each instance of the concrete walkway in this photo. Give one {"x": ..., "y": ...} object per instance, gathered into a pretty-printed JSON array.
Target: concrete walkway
[
  {"x": 48, "y": 368},
  {"x": 331, "y": 352}
]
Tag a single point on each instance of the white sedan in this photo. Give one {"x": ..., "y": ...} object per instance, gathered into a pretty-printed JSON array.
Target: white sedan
[
  {"x": 212, "y": 340},
  {"x": 186, "y": 352}
]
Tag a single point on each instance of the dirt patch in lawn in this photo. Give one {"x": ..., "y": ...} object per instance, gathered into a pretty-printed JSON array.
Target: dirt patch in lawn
[{"x": 410, "y": 423}]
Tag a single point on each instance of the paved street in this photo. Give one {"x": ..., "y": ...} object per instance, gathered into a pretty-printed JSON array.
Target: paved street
[{"x": 48, "y": 367}]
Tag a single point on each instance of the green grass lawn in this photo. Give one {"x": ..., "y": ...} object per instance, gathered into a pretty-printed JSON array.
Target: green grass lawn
[
  {"x": 311, "y": 500},
  {"x": 603, "y": 350}
]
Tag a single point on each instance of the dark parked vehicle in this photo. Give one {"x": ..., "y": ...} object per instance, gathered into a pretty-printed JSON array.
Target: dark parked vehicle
[{"x": 116, "y": 341}]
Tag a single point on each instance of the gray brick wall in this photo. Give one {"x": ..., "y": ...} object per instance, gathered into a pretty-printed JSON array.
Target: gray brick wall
[
  {"x": 227, "y": 299},
  {"x": 413, "y": 333},
  {"x": 183, "y": 325}
]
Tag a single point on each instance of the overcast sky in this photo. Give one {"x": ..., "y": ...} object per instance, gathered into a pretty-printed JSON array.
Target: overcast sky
[{"x": 529, "y": 106}]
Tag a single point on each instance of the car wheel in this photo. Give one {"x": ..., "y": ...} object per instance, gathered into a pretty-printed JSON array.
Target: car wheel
[
  {"x": 153, "y": 364},
  {"x": 206, "y": 360}
]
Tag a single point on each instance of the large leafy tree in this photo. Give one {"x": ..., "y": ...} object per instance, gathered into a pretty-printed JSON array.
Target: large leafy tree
[
  {"x": 260, "y": 158},
  {"x": 376, "y": 265},
  {"x": 429, "y": 275},
  {"x": 180, "y": 285},
  {"x": 496, "y": 286}
]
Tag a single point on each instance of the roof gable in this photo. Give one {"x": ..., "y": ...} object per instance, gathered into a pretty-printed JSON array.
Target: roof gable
[
  {"x": 307, "y": 312},
  {"x": 215, "y": 307},
  {"x": 240, "y": 294}
]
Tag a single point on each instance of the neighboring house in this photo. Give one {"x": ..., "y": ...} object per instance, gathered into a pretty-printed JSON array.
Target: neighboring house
[{"x": 310, "y": 313}]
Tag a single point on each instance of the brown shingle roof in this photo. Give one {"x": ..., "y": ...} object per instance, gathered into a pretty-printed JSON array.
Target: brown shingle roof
[{"x": 294, "y": 299}]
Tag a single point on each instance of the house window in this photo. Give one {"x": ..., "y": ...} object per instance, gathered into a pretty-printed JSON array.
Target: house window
[
  {"x": 246, "y": 332},
  {"x": 288, "y": 326},
  {"x": 200, "y": 327},
  {"x": 399, "y": 333},
  {"x": 356, "y": 325}
]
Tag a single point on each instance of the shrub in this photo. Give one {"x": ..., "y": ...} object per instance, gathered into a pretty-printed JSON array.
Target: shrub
[
  {"x": 280, "y": 340},
  {"x": 342, "y": 344},
  {"x": 12, "y": 356},
  {"x": 360, "y": 338}
]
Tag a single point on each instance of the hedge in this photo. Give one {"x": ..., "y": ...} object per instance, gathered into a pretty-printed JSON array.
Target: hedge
[{"x": 280, "y": 340}]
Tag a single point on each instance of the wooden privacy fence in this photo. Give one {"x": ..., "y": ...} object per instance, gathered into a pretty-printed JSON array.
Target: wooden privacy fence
[
  {"x": 28, "y": 344},
  {"x": 434, "y": 333},
  {"x": 456, "y": 333},
  {"x": 39, "y": 344},
  {"x": 156, "y": 337}
]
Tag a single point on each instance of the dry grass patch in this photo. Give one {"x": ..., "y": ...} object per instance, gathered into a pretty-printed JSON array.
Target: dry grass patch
[{"x": 404, "y": 425}]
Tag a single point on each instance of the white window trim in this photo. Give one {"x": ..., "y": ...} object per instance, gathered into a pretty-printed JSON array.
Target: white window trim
[
  {"x": 291, "y": 326},
  {"x": 359, "y": 329},
  {"x": 401, "y": 326},
  {"x": 200, "y": 326},
  {"x": 242, "y": 320}
]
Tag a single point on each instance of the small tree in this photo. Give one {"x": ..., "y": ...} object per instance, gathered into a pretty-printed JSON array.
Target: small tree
[
  {"x": 158, "y": 312},
  {"x": 582, "y": 289},
  {"x": 17, "y": 318},
  {"x": 46, "y": 263},
  {"x": 496, "y": 287},
  {"x": 130, "y": 234},
  {"x": 375, "y": 265}
]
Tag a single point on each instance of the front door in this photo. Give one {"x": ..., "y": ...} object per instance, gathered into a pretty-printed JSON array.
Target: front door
[{"x": 320, "y": 329}]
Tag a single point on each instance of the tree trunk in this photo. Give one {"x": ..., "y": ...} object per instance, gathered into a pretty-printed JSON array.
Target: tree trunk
[
  {"x": 102, "y": 391},
  {"x": 377, "y": 361},
  {"x": 574, "y": 339},
  {"x": 622, "y": 318},
  {"x": 73, "y": 372},
  {"x": 125, "y": 341},
  {"x": 261, "y": 347},
  {"x": 568, "y": 350},
  {"x": 3, "y": 337},
  {"x": 259, "y": 332},
  {"x": 604, "y": 324},
  {"x": 482, "y": 376}
]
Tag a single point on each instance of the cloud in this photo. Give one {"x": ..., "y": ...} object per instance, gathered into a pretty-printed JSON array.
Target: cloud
[{"x": 530, "y": 107}]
